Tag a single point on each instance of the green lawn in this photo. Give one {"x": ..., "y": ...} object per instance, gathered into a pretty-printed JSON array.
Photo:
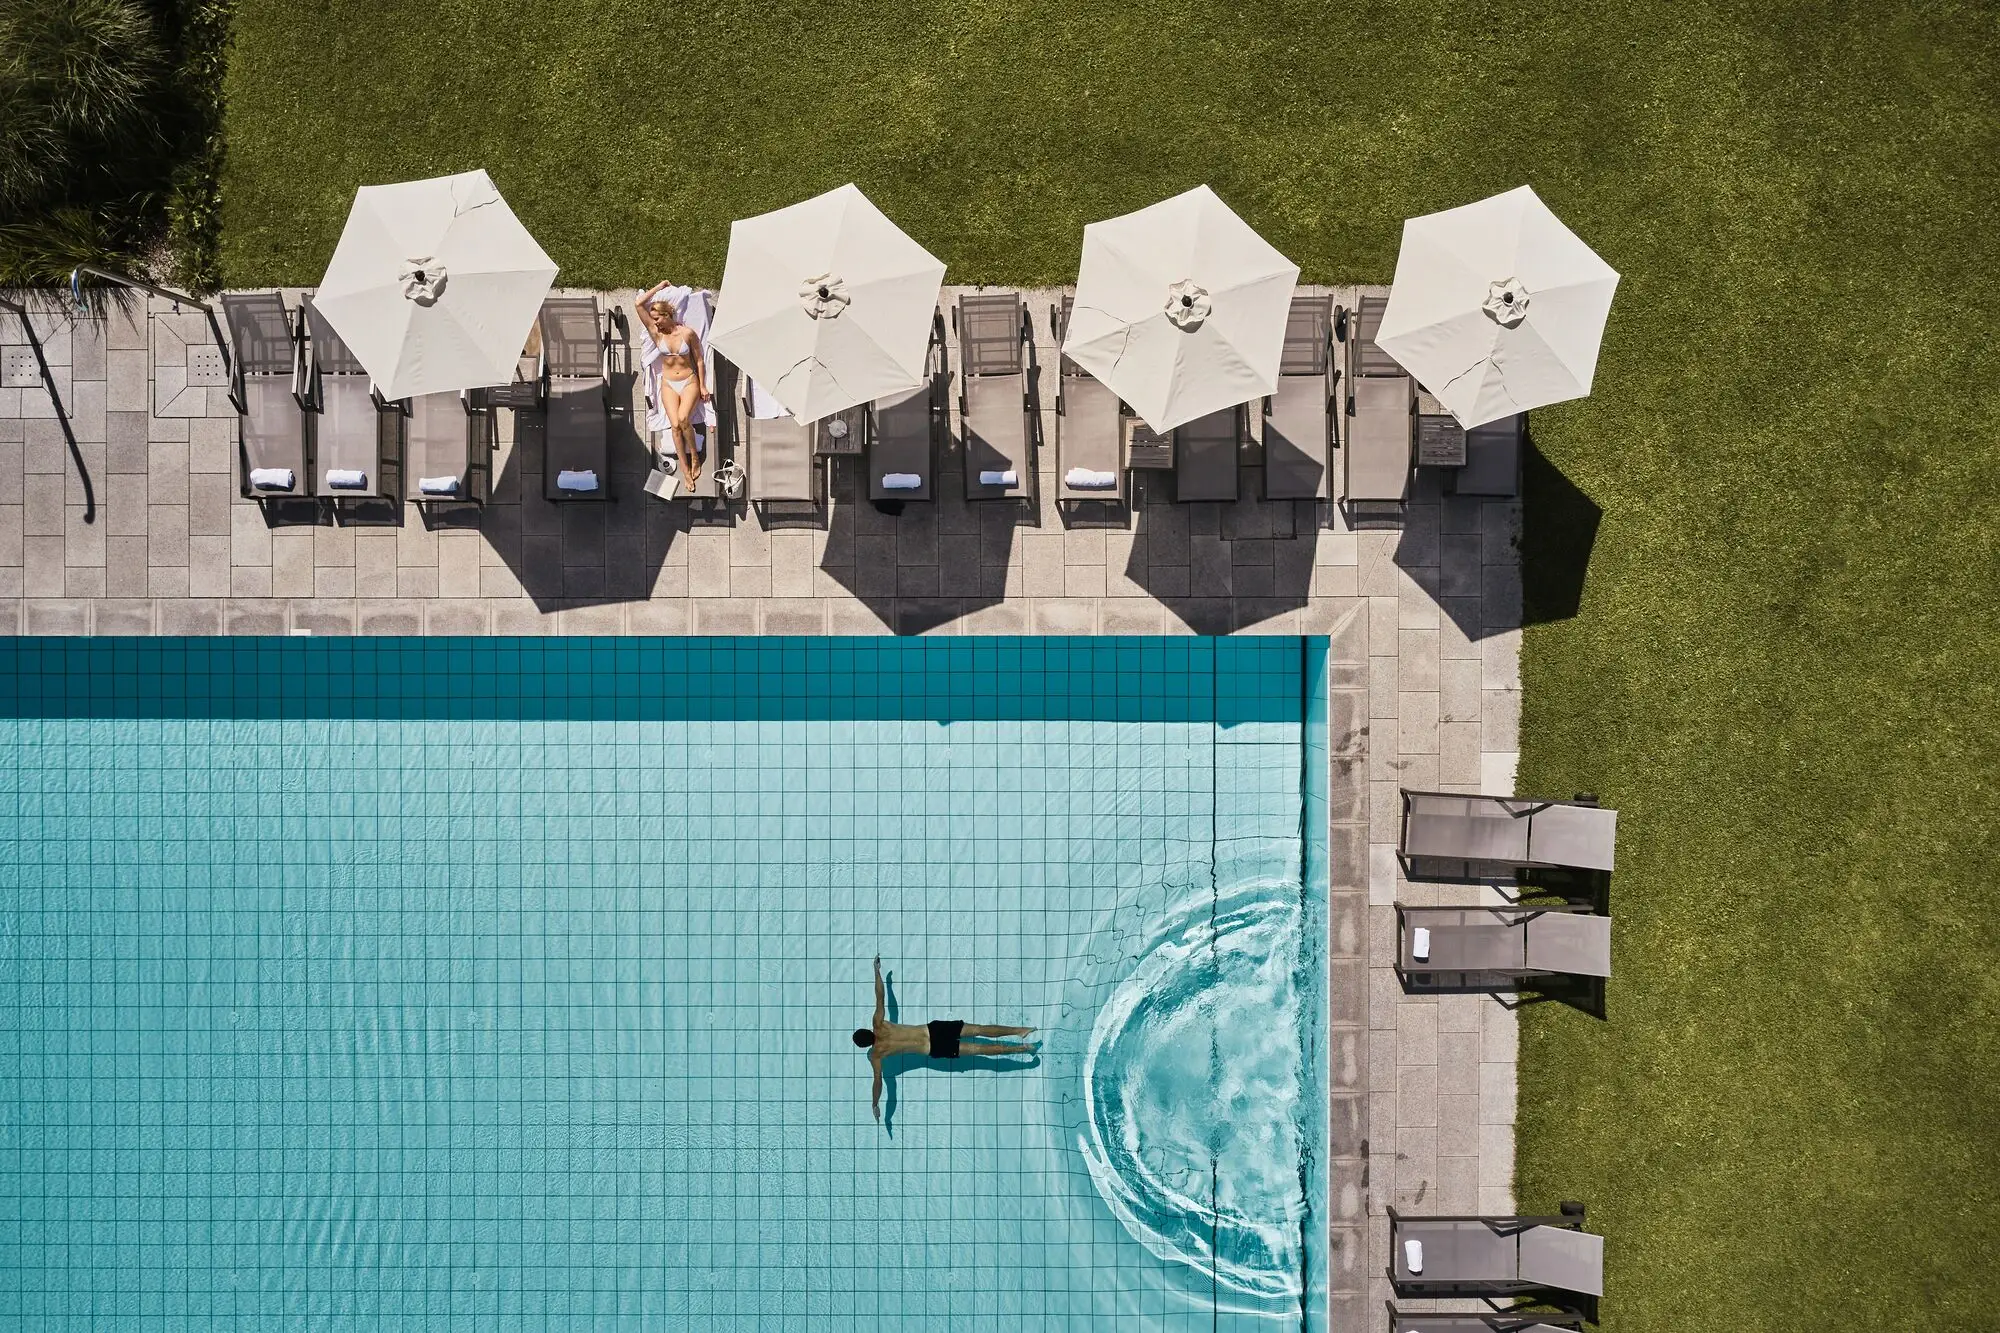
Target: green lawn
[{"x": 1783, "y": 669}]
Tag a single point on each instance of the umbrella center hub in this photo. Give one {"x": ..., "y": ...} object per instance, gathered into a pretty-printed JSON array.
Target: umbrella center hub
[
  {"x": 824, "y": 296},
  {"x": 1506, "y": 302},
  {"x": 1188, "y": 305},
  {"x": 423, "y": 280}
]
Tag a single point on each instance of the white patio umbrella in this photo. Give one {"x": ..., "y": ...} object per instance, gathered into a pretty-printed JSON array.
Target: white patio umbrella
[
  {"x": 1497, "y": 307},
  {"x": 1180, "y": 309},
  {"x": 434, "y": 285},
  {"x": 826, "y": 304}
]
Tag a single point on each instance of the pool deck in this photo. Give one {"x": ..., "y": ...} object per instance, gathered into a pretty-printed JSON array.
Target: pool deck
[{"x": 1424, "y": 622}]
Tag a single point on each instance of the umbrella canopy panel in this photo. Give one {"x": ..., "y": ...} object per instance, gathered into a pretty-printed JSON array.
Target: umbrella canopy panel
[
  {"x": 1497, "y": 307},
  {"x": 827, "y": 304},
  {"x": 1180, "y": 309},
  {"x": 434, "y": 285}
]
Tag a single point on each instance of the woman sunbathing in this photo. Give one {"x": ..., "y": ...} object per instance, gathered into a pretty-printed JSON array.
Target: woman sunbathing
[{"x": 681, "y": 388}]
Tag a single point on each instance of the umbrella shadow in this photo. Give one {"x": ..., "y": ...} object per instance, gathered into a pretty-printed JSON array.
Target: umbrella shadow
[
  {"x": 576, "y": 552},
  {"x": 1559, "y": 526},
  {"x": 1220, "y": 567},
  {"x": 919, "y": 565}
]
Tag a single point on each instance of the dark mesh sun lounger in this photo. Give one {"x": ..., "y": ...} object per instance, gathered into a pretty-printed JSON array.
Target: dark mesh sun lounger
[
  {"x": 903, "y": 430},
  {"x": 1381, "y": 411},
  {"x": 348, "y": 433},
  {"x": 1090, "y": 426},
  {"x": 1492, "y": 459},
  {"x": 1499, "y": 946},
  {"x": 1299, "y": 416},
  {"x": 576, "y": 395},
  {"x": 1482, "y": 1321},
  {"x": 1446, "y": 835},
  {"x": 267, "y": 388},
  {"x": 996, "y": 358},
  {"x": 1206, "y": 452},
  {"x": 1495, "y": 1256}
]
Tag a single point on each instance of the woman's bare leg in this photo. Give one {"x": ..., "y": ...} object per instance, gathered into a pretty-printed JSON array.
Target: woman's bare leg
[{"x": 680, "y": 413}]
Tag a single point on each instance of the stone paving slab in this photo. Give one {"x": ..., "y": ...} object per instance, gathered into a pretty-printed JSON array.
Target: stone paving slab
[{"x": 137, "y": 528}]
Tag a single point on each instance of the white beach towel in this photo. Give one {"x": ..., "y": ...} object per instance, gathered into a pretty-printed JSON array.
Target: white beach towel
[
  {"x": 993, "y": 478},
  {"x": 347, "y": 479},
  {"x": 1420, "y": 944},
  {"x": 901, "y": 481},
  {"x": 438, "y": 485},
  {"x": 1083, "y": 479},
  {"x": 576, "y": 481},
  {"x": 1413, "y": 1255},
  {"x": 694, "y": 307},
  {"x": 270, "y": 479},
  {"x": 762, "y": 405}
]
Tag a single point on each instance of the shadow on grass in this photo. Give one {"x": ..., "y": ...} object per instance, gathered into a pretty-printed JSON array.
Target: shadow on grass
[{"x": 1558, "y": 531}]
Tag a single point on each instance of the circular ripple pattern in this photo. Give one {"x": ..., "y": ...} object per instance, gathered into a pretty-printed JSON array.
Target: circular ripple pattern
[{"x": 1194, "y": 1082}]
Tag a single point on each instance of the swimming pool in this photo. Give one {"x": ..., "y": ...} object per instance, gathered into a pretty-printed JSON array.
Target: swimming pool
[{"x": 509, "y": 983}]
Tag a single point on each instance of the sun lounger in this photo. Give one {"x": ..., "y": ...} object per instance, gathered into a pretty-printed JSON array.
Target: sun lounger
[
  {"x": 778, "y": 454},
  {"x": 1492, "y": 459},
  {"x": 1381, "y": 417},
  {"x": 904, "y": 430},
  {"x": 995, "y": 395},
  {"x": 1450, "y": 836},
  {"x": 354, "y": 450},
  {"x": 268, "y": 388},
  {"x": 1482, "y": 1321},
  {"x": 1552, "y": 1258},
  {"x": 1299, "y": 417},
  {"x": 1206, "y": 453},
  {"x": 1090, "y": 429},
  {"x": 1464, "y": 948},
  {"x": 576, "y": 398},
  {"x": 448, "y": 447}
]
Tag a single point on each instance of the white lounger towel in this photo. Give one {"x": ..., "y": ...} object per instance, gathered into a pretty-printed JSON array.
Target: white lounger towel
[
  {"x": 576, "y": 481},
  {"x": 270, "y": 478},
  {"x": 1007, "y": 478},
  {"x": 438, "y": 485},
  {"x": 1420, "y": 944},
  {"x": 1083, "y": 479},
  {"x": 347, "y": 479},
  {"x": 763, "y": 406},
  {"x": 694, "y": 307},
  {"x": 1413, "y": 1255},
  {"x": 901, "y": 481}
]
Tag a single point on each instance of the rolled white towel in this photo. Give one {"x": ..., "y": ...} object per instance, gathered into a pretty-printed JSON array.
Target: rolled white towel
[
  {"x": 576, "y": 481},
  {"x": 901, "y": 481},
  {"x": 1007, "y": 478},
  {"x": 438, "y": 485},
  {"x": 1413, "y": 1255},
  {"x": 271, "y": 479},
  {"x": 1083, "y": 479},
  {"x": 1420, "y": 944},
  {"x": 346, "y": 479}
]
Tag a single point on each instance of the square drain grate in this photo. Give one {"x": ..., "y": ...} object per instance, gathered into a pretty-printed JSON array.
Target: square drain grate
[
  {"x": 205, "y": 367},
  {"x": 18, "y": 369}
]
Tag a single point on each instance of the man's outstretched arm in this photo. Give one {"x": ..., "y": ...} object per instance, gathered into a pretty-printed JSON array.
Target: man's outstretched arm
[
  {"x": 881, "y": 1000},
  {"x": 875, "y": 1098}
]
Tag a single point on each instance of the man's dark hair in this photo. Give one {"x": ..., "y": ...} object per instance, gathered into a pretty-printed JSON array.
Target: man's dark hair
[{"x": 864, "y": 1037}]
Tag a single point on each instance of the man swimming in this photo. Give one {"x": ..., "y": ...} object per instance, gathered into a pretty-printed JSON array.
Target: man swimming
[{"x": 942, "y": 1039}]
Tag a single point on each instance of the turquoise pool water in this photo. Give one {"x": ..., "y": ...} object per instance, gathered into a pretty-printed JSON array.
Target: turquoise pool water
[{"x": 507, "y": 984}]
